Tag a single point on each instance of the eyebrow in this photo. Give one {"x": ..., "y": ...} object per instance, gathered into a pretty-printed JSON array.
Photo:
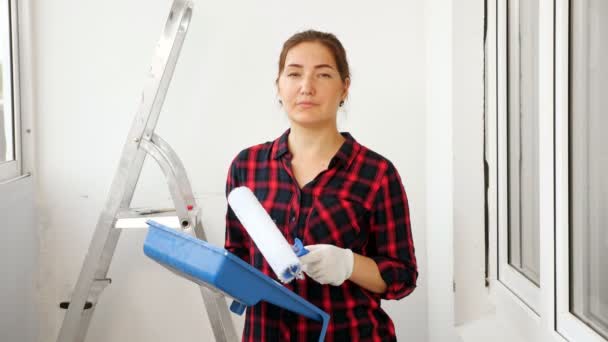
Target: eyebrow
[{"x": 316, "y": 66}]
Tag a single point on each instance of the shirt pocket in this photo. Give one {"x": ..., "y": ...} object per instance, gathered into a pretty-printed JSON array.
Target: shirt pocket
[{"x": 337, "y": 221}]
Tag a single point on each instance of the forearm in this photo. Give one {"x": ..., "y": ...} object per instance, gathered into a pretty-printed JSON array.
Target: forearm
[{"x": 367, "y": 275}]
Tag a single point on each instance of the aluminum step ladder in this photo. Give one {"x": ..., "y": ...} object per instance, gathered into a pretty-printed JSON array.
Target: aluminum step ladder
[{"x": 117, "y": 214}]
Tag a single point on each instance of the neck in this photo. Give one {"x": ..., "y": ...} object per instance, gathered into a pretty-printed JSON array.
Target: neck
[{"x": 315, "y": 142}]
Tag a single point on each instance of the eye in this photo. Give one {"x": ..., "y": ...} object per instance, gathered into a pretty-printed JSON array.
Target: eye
[
  {"x": 293, "y": 74},
  {"x": 325, "y": 75}
]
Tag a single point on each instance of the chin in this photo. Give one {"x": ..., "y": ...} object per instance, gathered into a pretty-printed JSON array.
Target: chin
[{"x": 307, "y": 119}]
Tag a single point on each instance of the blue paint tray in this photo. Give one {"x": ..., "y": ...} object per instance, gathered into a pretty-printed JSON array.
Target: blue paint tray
[{"x": 216, "y": 268}]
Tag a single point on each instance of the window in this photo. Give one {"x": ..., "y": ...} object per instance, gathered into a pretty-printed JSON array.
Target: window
[
  {"x": 589, "y": 163},
  {"x": 9, "y": 104},
  {"x": 517, "y": 149},
  {"x": 583, "y": 287},
  {"x": 522, "y": 136},
  {"x": 550, "y": 183}
]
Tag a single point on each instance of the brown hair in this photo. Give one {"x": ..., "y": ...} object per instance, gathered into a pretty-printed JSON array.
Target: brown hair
[{"x": 326, "y": 39}]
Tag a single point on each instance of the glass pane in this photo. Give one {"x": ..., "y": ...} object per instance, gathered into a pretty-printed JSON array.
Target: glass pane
[
  {"x": 522, "y": 127},
  {"x": 6, "y": 111},
  {"x": 589, "y": 163}
]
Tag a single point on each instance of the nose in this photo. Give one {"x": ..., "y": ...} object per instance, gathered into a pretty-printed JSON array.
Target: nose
[{"x": 307, "y": 86}]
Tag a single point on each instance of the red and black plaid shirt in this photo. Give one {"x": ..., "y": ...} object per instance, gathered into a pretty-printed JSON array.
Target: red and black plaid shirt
[{"x": 359, "y": 203}]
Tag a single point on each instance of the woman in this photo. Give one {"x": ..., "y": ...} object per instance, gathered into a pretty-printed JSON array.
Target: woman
[{"x": 345, "y": 202}]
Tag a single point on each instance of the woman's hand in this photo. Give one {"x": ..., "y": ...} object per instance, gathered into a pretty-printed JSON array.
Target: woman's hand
[{"x": 328, "y": 264}]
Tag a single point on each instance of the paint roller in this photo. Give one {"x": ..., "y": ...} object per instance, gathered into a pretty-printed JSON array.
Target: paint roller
[{"x": 280, "y": 255}]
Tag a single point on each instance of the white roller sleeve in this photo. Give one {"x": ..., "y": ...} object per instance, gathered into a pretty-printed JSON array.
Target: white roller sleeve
[{"x": 265, "y": 233}]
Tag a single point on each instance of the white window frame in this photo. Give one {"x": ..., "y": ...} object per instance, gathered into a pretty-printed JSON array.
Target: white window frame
[
  {"x": 552, "y": 319},
  {"x": 514, "y": 304},
  {"x": 568, "y": 324},
  {"x": 511, "y": 277},
  {"x": 13, "y": 169}
]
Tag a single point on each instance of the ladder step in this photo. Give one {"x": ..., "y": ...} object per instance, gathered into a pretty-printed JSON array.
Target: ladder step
[
  {"x": 144, "y": 212},
  {"x": 137, "y": 212},
  {"x": 96, "y": 288},
  {"x": 135, "y": 218},
  {"x": 140, "y": 223},
  {"x": 65, "y": 305}
]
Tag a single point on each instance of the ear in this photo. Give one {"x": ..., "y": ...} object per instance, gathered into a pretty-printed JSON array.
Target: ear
[
  {"x": 346, "y": 87},
  {"x": 278, "y": 91}
]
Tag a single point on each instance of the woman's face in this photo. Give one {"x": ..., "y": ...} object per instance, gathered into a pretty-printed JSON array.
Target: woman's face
[{"x": 310, "y": 86}]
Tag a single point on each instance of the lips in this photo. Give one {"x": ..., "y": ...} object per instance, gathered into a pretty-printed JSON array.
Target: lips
[{"x": 306, "y": 104}]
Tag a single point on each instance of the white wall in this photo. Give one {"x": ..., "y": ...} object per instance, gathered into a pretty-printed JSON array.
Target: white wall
[
  {"x": 18, "y": 261},
  {"x": 455, "y": 183},
  {"x": 471, "y": 296},
  {"x": 19, "y": 245},
  {"x": 92, "y": 59},
  {"x": 439, "y": 168}
]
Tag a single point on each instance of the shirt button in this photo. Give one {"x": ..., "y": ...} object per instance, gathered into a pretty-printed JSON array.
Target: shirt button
[{"x": 293, "y": 218}]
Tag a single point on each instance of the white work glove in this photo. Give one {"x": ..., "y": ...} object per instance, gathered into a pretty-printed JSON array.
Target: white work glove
[{"x": 328, "y": 264}]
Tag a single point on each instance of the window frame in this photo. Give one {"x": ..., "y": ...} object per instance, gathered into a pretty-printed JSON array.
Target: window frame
[
  {"x": 553, "y": 321},
  {"x": 10, "y": 170},
  {"x": 512, "y": 311},
  {"x": 568, "y": 324},
  {"x": 511, "y": 277}
]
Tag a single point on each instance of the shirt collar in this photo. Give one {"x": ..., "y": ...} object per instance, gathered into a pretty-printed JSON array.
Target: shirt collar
[
  {"x": 279, "y": 146},
  {"x": 345, "y": 155}
]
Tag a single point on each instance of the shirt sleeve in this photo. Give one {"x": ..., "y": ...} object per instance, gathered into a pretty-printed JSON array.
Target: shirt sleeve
[
  {"x": 237, "y": 239},
  {"x": 391, "y": 230}
]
